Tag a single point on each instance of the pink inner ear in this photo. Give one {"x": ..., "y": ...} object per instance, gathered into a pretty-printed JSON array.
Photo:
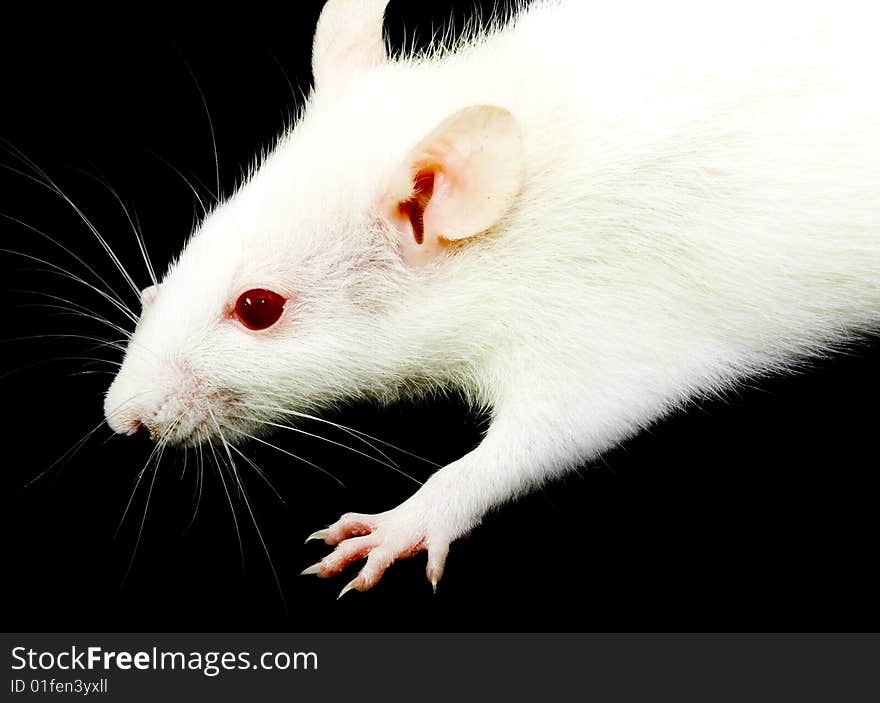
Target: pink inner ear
[{"x": 414, "y": 207}]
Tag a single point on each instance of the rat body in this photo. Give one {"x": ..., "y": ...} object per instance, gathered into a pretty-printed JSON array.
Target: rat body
[{"x": 580, "y": 221}]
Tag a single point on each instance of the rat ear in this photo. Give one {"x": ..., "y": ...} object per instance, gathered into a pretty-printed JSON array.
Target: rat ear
[
  {"x": 148, "y": 295},
  {"x": 457, "y": 182},
  {"x": 349, "y": 38}
]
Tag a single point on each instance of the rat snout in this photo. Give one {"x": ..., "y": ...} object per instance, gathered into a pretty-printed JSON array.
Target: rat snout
[
  {"x": 120, "y": 412},
  {"x": 173, "y": 404}
]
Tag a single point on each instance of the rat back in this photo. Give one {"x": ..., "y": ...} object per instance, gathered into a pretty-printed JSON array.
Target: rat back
[{"x": 702, "y": 192}]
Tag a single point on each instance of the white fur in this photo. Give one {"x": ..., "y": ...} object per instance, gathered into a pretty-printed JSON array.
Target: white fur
[{"x": 701, "y": 204}]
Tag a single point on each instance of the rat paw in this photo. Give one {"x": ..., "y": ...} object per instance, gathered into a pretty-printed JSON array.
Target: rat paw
[{"x": 380, "y": 539}]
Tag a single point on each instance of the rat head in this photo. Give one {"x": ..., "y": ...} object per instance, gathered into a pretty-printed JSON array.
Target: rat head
[{"x": 313, "y": 283}]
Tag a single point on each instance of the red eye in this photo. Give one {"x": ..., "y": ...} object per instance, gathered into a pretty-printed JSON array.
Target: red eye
[{"x": 259, "y": 308}]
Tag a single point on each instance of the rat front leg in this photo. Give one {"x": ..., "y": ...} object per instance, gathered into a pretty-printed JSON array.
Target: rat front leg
[{"x": 510, "y": 460}]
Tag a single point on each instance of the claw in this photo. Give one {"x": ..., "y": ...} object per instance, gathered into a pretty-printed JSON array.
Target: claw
[
  {"x": 318, "y": 534},
  {"x": 436, "y": 561},
  {"x": 313, "y": 569},
  {"x": 351, "y": 585}
]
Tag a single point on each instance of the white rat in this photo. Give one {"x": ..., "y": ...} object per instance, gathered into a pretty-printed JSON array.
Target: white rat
[{"x": 579, "y": 220}]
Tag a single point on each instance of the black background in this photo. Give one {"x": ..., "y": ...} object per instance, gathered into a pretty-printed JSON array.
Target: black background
[{"x": 755, "y": 513}]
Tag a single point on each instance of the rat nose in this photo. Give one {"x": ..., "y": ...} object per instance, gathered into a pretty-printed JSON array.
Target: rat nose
[
  {"x": 120, "y": 412},
  {"x": 121, "y": 423},
  {"x": 167, "y": 400}
]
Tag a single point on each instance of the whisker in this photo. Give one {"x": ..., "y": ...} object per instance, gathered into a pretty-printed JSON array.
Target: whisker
[
  {"x": 141, "y": 473},
  {"x": 69, "y": 454},
  {"x": 286, "y": 76},
  {"x": 247, "y": 504},
  {"x": 185, "y": 457},
  {"x": 71, "y": 308},
  {"x": 342, "y": 428},
  {"x": 79, "y": 259},
  {"x": 64, "y": 311},
  {"x": 129, "y": 336},
  {"x": 160, "y": 445},
  {"x": 137, "y": 542},
  {"x": 49, "y": 184},
  {"x": 197, "y": 493},
  {"x": 291, "y": 454},
  {"x": 137, "y": 483},
  {"x": 44, "y": 362},
  {"x": 114, "y": 344},
  {"x": 59, "y": 271},
  {"x": 210, "y": 126},
  {"x": 259, "y": 471},
  {"x": 142, "y": 245},
  {"x": 229, "y": 500},
  {"x": 358, "y": 434},
  {"x": 185, "y": 180},
  {"x": 338, "y": 444}
]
